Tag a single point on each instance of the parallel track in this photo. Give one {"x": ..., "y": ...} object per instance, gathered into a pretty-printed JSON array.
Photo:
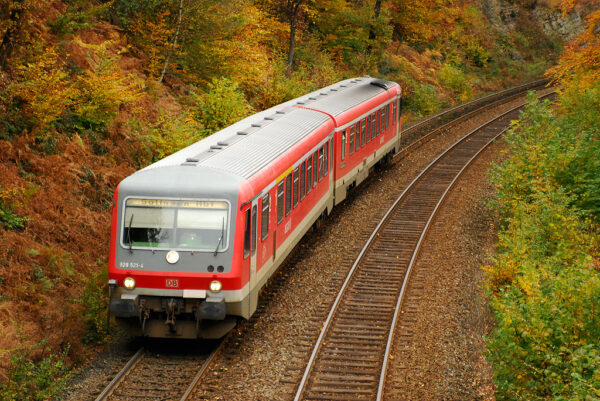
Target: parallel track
[
  {"x": 414, "y": 135},
  {"x": 349, "y": 359}
]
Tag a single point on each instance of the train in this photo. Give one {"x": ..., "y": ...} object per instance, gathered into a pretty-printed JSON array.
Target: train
[{"x": 196, "y": 235}]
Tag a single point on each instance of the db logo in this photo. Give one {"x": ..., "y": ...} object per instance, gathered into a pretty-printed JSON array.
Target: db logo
[{"x": 172, "y": 283}]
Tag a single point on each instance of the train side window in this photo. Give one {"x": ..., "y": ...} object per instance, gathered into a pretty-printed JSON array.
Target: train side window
[
  {"x": 388, "y": 113},
  {"x": 253, "y": 230},
  {"x": 280, "y": 192},
  {"x": 383, "y": 120},
  {"x": 296, "y": 185},
  {"x": 363, "y": 131},
  {"x": 378, "y": 122},
  {"x": 368, "y": 128},
  {"x": 288, "y": 194},
  {"x": 388, "y": 117},
  {"x": 302, "y": 179},
  {"x": 247, "y": 235},
  {"x": 326, "y": 159},
  {"x": 373, "y": 125},
  {"x": 264, "y": 218},
  {"x": 357, "y": 137},
  {"x": 343, "y": 151},
  {"x": 394, "y": 113},
  {"x": 315, "y": 167},
  {"x": 331, "y": 156},
  {"x": 308, "y": 174},
  {"x": 351, "y": 143},
  {"x": 321, "y": 163}
]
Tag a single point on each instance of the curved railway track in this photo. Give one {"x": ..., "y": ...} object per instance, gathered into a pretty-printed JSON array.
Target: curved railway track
[
  {"x": 349, "y": 359},
  {"x": 151, "y": 376},
  {"x": 414, "y": 135}
]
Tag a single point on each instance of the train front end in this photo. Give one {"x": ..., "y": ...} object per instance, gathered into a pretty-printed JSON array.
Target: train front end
[{"x": 171, "y": 265}]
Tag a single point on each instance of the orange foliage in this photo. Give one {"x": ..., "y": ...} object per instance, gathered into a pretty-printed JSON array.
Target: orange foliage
[{"x": 581, "y": 59}]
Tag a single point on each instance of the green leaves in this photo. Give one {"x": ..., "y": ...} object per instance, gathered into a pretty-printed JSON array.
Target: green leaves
[
  {"x": 222, "y": 105},
  {"x": 544, "y": 279}
]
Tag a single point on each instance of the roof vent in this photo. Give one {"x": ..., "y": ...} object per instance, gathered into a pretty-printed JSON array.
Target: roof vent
[
  {"x": 222, "y": 143},
  {"x": 242, "y": 133},
  {"x": 192, "y": 160},
  {"x": 383, "y": 84},
  {"x": 257, "y": 125},
  {"x": 215, "y": 147}
]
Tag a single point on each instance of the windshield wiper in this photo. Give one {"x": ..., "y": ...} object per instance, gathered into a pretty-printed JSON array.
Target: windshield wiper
[
  {"x": 221, "y": 237},
  {"x": 129, "y": 233}
]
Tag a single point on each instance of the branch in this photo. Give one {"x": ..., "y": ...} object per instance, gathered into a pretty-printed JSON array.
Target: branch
[{"x": 173, "y": 44}]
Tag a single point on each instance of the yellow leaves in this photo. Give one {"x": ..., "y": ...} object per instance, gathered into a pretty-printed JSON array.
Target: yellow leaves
[
  {"x": 103, "y": 88},
  {"x": 44, "y": 88},
  {"x": 50, "y": 98},
  {"x": 153, "y": 37}
]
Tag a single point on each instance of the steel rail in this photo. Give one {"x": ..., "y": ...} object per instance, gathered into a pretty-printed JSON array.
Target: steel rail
[
  {"x": 512, "y": 93},
  {"x": 516, "y": 89},
  {"x": 121, "y": 375},
  {"x": 408, "y": 189},
  {"x": 133, "y": 362},
  {"x": 204, "y": 368}
]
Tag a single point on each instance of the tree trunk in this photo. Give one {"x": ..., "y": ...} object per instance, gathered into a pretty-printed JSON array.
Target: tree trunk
[
  {"x": 377, "y": 11},
  {"x": 292, "y": 42},
  {"x": 293, "y": 9},
  {"x": 173, "y": 44},
  {"x": 8, "y": 41}
]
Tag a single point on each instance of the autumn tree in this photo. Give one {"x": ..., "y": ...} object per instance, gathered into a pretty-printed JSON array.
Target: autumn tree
[
  {"x": 581, "y": 59},
  {"x": 356, "y": 33}
]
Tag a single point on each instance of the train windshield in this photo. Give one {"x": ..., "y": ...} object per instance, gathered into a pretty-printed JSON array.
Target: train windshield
[{"x": 173, "y": 224}]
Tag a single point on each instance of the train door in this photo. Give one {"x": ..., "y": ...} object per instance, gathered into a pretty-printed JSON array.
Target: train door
[{"x": 253, "y": 279}]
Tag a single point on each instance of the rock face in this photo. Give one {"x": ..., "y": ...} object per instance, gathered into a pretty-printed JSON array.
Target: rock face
[
  {"x": 504, "y": 15},
  {"x": 555, "y": 23}
]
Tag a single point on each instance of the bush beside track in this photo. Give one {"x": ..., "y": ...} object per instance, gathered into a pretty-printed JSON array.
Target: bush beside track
[{"x": 545, "y": 279}]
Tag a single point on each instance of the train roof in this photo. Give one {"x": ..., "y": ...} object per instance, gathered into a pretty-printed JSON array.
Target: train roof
[{"x": 245, "y": 147}]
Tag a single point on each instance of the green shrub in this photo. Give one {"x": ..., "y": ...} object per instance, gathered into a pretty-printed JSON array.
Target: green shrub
[
  {"x": 223, "y": 105},
  {"x": 422, "y": 99},
  {"x": 29, "y": 380},
  {"x": 544, "y": 280},
  {"x": 168, "y": 134},
  {"x": 10, "y": 220},
  {"x": 95, "y": 301},
  {"x": 455, "y": 79}
]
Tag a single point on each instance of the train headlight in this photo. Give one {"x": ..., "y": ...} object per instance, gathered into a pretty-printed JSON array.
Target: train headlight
[
  {"x": 129, "y": 283},
  {"x": 215, "y": 286},
  {"x": 172, "y": 257}
]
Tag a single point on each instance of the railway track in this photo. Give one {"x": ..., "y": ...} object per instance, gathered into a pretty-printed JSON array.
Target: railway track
[
  {"x": 349, "y": 359},
  {"x": 414, "y": 135},
  {"x": 152, "y": 376}
]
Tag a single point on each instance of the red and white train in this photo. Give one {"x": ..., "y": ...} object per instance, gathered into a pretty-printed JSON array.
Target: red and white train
[{"x": 196, "y": 235}]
